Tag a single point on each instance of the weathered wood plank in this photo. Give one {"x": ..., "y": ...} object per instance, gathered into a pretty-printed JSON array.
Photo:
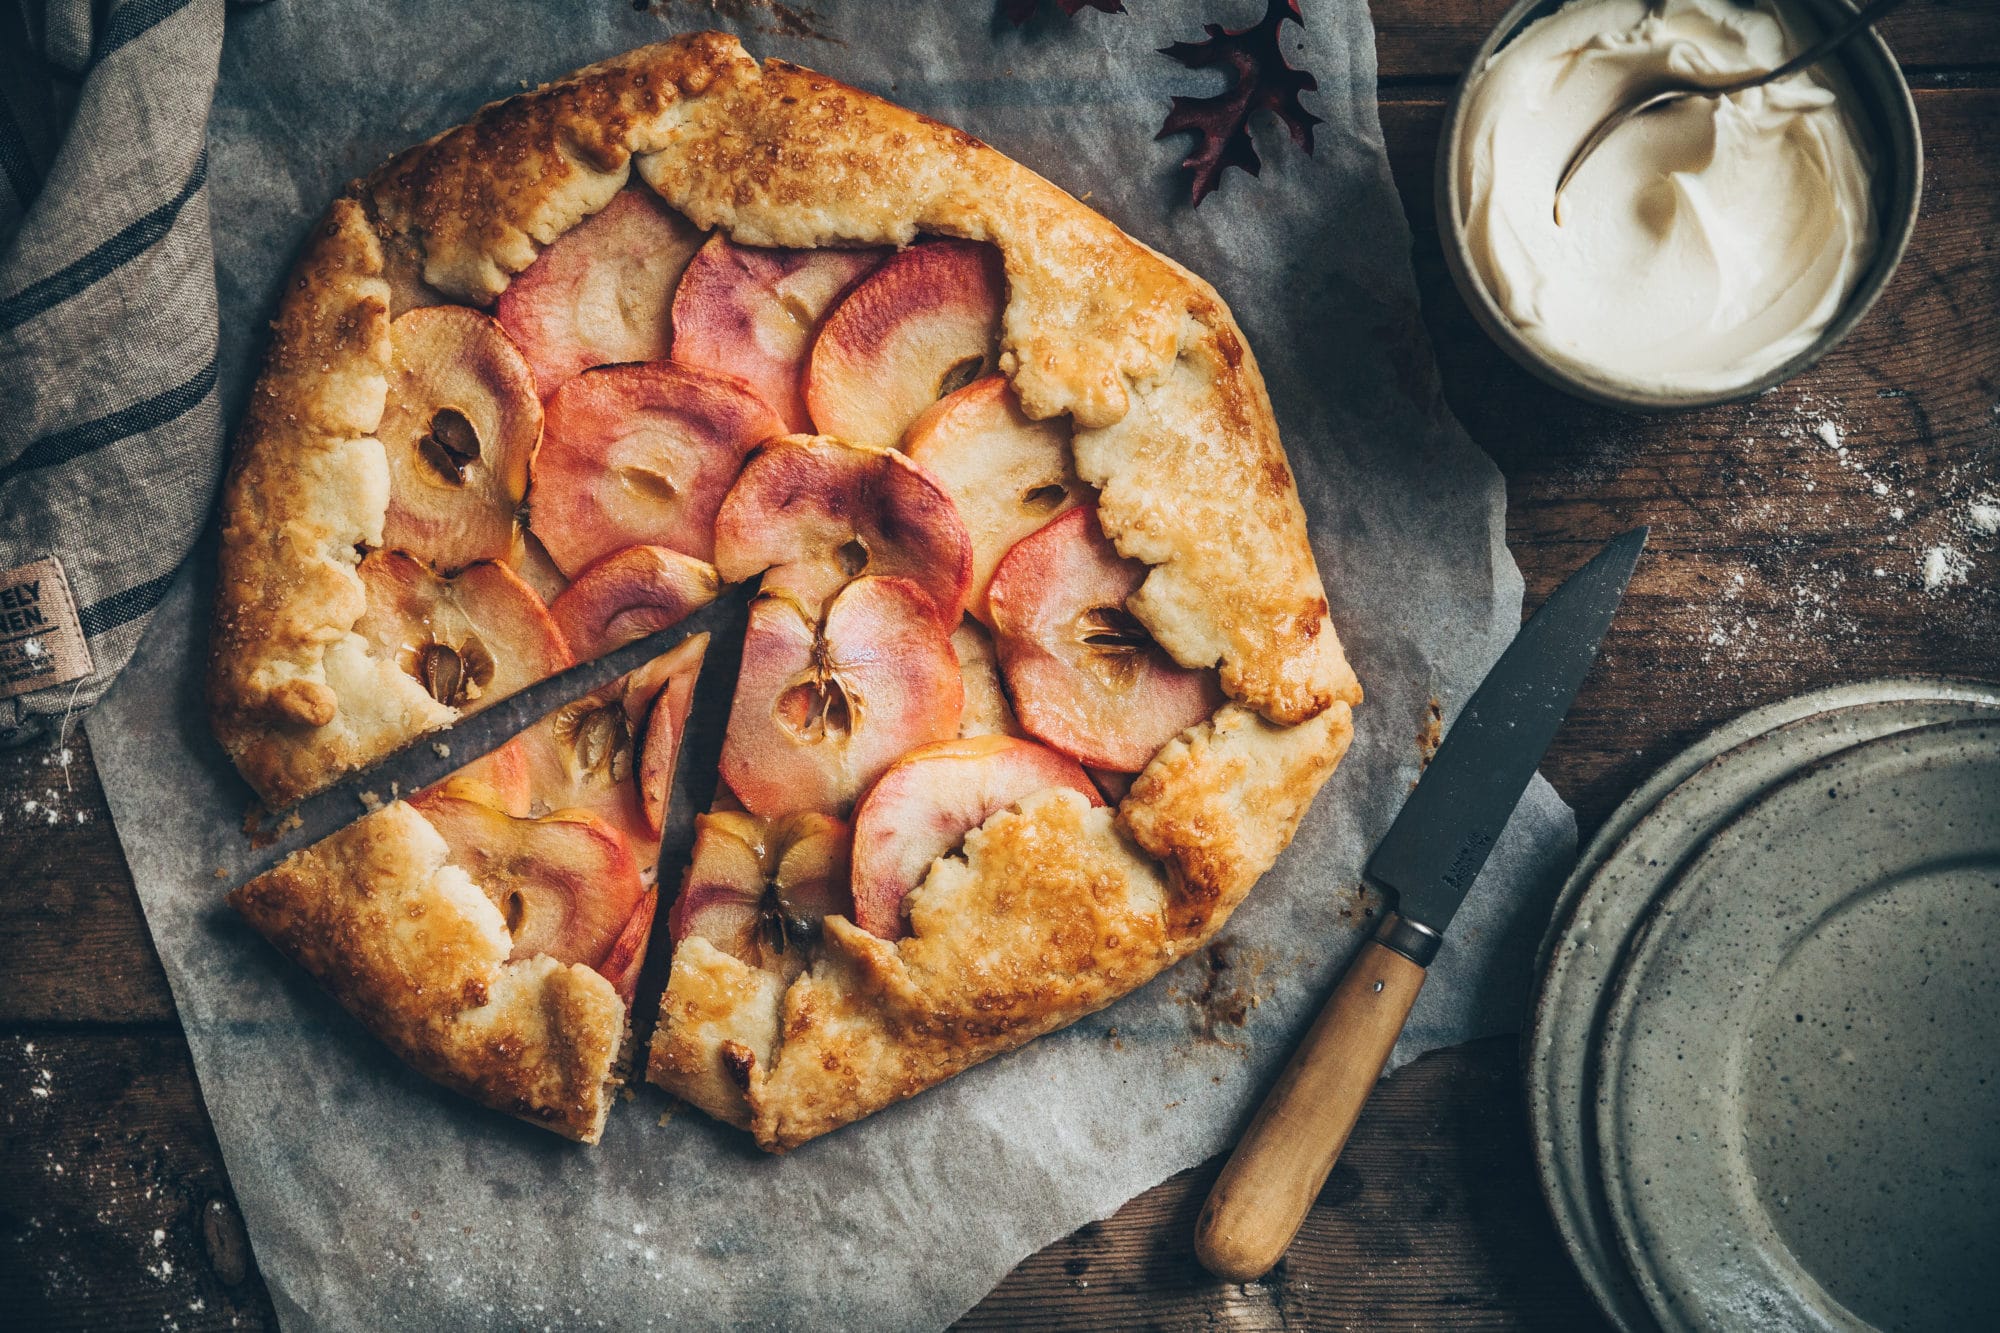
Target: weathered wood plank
[
  {"x": 114, "y": 1209},
  {"x": 1431, "y": 1219},
  {"x": 77, "y": 942},
  {"x": 1771, "y": 519},
  {"x": 1761, "y": 583}
]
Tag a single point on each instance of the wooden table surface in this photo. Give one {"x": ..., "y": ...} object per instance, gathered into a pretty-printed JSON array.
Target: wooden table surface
[{"x": 1788, "y": 542}]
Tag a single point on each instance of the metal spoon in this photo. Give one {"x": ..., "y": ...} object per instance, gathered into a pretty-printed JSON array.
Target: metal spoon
[{"x": 1812, "y": 55}]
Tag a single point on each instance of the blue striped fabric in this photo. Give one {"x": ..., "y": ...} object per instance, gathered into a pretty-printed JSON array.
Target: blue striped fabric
[{"x": 110, "y": 435}]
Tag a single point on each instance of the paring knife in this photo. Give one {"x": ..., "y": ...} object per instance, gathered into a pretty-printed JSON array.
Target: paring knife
[
  {"x": 436, "y": 755},
  {"x": 1429, "y": 858}
]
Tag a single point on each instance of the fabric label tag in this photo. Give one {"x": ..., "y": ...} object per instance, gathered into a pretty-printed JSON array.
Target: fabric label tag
[{"x": 41, "y": 640}]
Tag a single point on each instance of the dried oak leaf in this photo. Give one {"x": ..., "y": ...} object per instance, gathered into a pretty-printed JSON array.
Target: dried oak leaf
[
  {"x": 1019, "y": 12},
  {"x": 1221, "y": 123}
]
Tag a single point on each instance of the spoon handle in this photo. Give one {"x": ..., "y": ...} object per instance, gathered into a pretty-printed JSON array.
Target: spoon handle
[{"x": 1822, "y": 48}]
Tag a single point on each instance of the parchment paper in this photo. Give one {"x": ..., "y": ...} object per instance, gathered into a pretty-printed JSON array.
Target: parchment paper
[{"x": 375, "y": 1199}]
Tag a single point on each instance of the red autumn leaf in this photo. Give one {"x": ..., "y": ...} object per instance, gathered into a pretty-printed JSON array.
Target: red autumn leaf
[
  {"x": 1263, "y": 80},
  {"x": 1019, "y": 12}
]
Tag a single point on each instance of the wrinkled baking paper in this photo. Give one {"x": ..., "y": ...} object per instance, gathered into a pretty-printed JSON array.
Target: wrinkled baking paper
[{"x": 375, "y": 1199}]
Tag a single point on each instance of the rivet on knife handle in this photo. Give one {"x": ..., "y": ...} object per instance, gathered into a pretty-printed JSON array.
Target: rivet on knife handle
[{"x": 1289, "y": 1150}]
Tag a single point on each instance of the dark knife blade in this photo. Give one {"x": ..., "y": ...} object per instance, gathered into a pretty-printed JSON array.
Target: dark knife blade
[
  {"x": 438, "y": 754},
  {"x": 1445, "y": 831}
]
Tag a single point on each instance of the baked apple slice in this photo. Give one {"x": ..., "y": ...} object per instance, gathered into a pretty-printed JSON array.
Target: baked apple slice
[
  {"x": 628, "y": 952},
  {"x": 459, "y": 427},
  {"x": 923, "y": 325},
  {"x": 602, "y": 291},
  {"x": 566, "y": 884},
  {"x": 760, "y": 888},
  {"x": 594, "y": 752},
  {"x": 657, "y": 702},
  {"x": 499, "y": 779},
  {"x": 1084, "y": 674},
  {"x": 813, "y": 513},
  {"x": 630, "y": 594},
  {"x": 641, "y": 456},
  {"x": 530, "y": 559},
  {"x": 986, "y": 711},
  {"x": 1007, "y": 474},
  {"x": 753, "y": 312},
  {"x": 822, "y": 707},
  {"x": 469, "y": 639},
  {"x": 925, "y": 804}
]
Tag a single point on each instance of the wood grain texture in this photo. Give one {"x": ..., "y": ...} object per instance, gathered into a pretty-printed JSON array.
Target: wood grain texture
[
  {"x": 1760, "y": 581},
  {"x": 1279, "y": 1165}
]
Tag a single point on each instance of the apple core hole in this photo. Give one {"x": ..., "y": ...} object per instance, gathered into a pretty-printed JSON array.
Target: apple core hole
[
  {"x": 853, "y": 557},
  {"x": 599, "y": 738},
  {"x": 648, "y": 484},
  {"x": 515, "y": 911},
  {"x": 450, "y": 446},
  {"x": 1043, "y": 499},
  {"x": 441, "y": 671},
  {"x": 477, "y": 660},
  {"x": 801, "y": 314},
  {"x": 816, "y": 710},
  {"x": 961, "y": 374},
  {"x": 1113, "y": 629}
]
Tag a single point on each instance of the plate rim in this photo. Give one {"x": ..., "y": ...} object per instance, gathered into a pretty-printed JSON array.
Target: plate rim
[
  {"x": 1594, "y": 1249},
  {"x": 1660, "y": 1297}
]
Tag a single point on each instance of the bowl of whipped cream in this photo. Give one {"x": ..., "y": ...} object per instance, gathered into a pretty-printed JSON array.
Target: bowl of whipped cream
[{"x": 1706, "y": 251}]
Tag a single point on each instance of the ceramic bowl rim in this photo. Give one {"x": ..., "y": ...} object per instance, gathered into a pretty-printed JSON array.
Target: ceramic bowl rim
[{"x": 1898, "y": 189}]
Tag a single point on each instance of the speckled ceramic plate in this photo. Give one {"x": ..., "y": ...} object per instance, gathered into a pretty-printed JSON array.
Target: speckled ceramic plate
[
  {"x": 1797, "y": 1116},
  {"x": 1635, "y": 854}
]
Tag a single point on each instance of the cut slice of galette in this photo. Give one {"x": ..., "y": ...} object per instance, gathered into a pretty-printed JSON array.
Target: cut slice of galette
[
  {"x": 1038, "y": 675},
  {"x": 490, "y": 929}
]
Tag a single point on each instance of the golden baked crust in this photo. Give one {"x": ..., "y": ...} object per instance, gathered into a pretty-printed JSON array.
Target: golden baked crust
[
  {"x": 408, "y": 944},
  {"x": 1053, "y": 912},
  {"x": 295, "y": 697},
  {"x": 1055, "y": 909},
  {"x": 1172, "y": 422}
]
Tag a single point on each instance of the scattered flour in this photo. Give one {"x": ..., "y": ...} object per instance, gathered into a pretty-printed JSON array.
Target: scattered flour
[
  {"x": 1982, "y": 516},
  {"x": 1945, "y": 567}
]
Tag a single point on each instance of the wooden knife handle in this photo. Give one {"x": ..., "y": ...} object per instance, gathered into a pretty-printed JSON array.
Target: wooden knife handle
[{"x": 1287, "y": 1153}]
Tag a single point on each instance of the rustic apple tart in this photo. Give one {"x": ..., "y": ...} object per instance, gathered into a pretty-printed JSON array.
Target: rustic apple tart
[{"x": 1038, "y": 676}]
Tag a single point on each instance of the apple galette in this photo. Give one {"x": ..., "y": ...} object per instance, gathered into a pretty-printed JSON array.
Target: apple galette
[{"x": 1038, "y": 676}]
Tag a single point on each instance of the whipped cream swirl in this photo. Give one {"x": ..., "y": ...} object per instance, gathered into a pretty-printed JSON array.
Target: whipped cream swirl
[{"x": 1701, "y": 246}]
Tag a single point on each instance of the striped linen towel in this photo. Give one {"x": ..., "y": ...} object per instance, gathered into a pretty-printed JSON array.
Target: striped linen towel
[{"x": 110, "y": 433}]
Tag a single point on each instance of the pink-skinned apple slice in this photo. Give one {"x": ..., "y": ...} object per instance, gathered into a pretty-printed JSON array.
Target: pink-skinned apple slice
[
  {"x": 499, "y": 778},
  {"x": 630, "y": 594},
  {"x": 1113, "y": 785},
  {"x": 470, "y": 639},
  {"x": 753, "y": 312},
  {"x": 459, "y": 428},
  {"x": 813, "y": 513},
  {"x": 530, "y": 559},
  {"x": 822, "y": 708},
  {"x": 759, "y": 889},
  {"x": 602, "y": 292},
  {"x": 922, "y": 807},
  {"x": 641, "y": 456},
  {"x": 1007, "y": 474},
  {"x": 590, "y": 753},
  {"x": 1084, "y": 674},
  {"x": 627, "y": 955},
  {"x": 566, "y": 883},
  {"x": 657, "y": 703},
  {"x": 986, "y": 711},
  {"x": 926, "y": 323}
]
